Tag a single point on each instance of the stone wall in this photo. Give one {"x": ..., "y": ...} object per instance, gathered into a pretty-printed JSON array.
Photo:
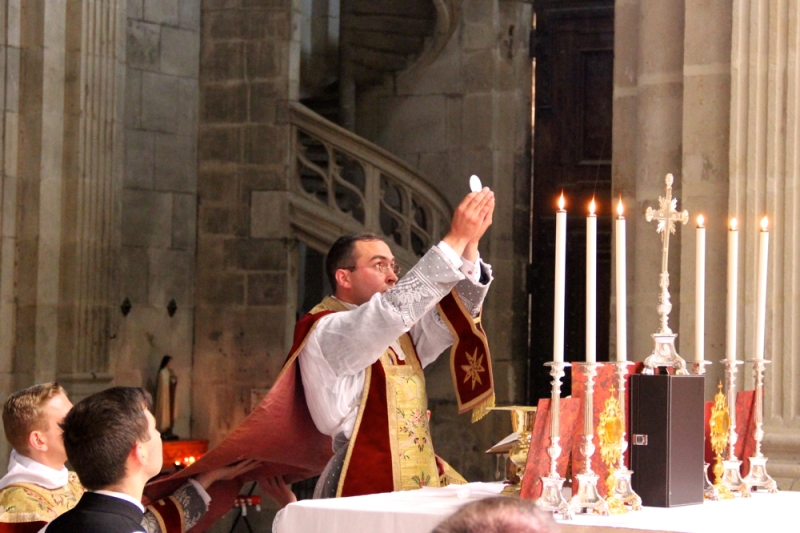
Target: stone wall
[
  {"x": 468, "y": 112},
  {"x": 159, "y": 197}
]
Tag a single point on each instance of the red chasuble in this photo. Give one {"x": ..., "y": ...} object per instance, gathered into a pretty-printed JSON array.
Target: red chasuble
[{"x": 281, "y": 433}]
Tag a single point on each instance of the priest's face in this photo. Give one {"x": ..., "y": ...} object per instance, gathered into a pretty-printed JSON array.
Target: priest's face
[
  {"x": 365, "y": 278},
  {"x": 55, "y": 411}
]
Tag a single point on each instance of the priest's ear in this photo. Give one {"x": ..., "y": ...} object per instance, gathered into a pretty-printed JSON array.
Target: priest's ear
[{"x": 343, "y": 279}]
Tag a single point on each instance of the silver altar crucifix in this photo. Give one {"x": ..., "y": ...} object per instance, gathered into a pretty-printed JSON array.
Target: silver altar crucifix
[{"x": 666, "y": 215}]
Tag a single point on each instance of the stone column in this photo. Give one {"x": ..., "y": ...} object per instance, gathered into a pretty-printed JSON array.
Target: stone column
[
  {"x": 60, "y": 188},
  {"x": 765, "y": 180},
  {"x": 706, "y": 127},
  {"x": 10, "y": 52},
  {"x": 89, "y": 227},
  {"x": 245, "y": 290},
  {"x": 648, "y": 100}
]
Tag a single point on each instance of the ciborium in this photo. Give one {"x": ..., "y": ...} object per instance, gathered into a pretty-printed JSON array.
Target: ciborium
[{"x": 522, "y": 418}]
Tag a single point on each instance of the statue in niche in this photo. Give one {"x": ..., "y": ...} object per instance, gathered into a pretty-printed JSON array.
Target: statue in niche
[{"x": 164, "y": 409}]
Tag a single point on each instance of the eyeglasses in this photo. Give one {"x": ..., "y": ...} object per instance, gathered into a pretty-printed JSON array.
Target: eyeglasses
[{"x": 382, "y": 268}]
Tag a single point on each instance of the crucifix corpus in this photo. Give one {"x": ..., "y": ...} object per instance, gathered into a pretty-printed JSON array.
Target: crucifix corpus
[{"x": 664, "y": 353}]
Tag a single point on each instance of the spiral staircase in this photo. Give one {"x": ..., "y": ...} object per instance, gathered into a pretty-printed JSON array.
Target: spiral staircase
[{"x": 343, "y": 183}]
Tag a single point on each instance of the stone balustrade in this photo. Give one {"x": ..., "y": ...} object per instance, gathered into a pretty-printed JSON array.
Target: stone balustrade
[{"x": 362, "y": 188}]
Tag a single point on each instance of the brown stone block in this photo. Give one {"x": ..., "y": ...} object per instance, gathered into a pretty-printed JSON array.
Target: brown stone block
[
  {"x": 210, "y": 254},
  {"x": 263, "y": 101},
  {"x": 255, "y": 254},
  {"x": 210, "y": 5},
  {"x": 216, "y": 220},
  {"x": 262, "y": 60},
  {"x": 225, "y": 24},
  {"x": 264, "y": 145},
  {"x": 275, "y": 5},
  {"x": 217, "y": 185},
  {"x": 279, "y": 25},
  {"x": 224, "y": 103},
  {"x": 478, "y": 70},
  {"x": 266, "y": 289},
  {"x": 220, "y": 289},
  {"x": 256, "y": 25},
  {"x": 222, "y": 61},
  {"x": 219, "y": 144},
  {"x": 256, "y": 178}
]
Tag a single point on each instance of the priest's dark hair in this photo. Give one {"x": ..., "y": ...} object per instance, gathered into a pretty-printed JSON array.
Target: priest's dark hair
[
  {"x": 101, "y": 430},
  {"x": 341, "y": 254},
  {"x": 499, "y": 515}
]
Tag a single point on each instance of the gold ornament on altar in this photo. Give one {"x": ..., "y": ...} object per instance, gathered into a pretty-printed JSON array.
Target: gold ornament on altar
[
  {"x": 610, "y": 432},
  {"x": 522, "y": 418},
  {"x": 720, "y": 425}
]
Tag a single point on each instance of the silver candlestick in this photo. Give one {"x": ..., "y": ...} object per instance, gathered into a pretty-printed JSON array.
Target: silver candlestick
[
  {"x": 588, "y": 499},
  {"x": 732, "y": 475},
  {"x": 552, "y": 498},
  {"x": 622, "y": 487},
  {"x": 664, "y": 353},
  {"x": 758, "y": 478}
]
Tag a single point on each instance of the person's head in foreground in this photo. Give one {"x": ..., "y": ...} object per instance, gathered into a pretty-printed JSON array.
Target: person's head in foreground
[
  {"x": 499, "y": 515},
  {"x": 112, "y": 441},
  {"x": 30, "y": 419}
]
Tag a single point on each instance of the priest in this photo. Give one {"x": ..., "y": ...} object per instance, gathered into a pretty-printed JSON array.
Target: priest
[
  {"x": 362, "y": 352},
  {"x": 407, "y": 322}
]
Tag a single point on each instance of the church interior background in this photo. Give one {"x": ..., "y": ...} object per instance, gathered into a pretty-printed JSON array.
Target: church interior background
[{"x": 173, "y": 172}]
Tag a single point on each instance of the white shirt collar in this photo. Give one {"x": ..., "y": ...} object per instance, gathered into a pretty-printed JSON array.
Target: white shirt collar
[
  {"x": 22, "y": 469},
  {"x": 121, "y": 496}
]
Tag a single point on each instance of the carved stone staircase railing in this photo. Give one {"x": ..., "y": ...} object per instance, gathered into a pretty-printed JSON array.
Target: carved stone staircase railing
[{"x": 342, "y": 183}]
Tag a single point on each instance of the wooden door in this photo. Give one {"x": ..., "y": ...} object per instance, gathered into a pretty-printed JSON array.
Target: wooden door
[{"x": 574, "y": 53}]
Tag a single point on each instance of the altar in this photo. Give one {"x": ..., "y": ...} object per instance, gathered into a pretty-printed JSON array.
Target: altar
[{"x": 422, "y": 510}]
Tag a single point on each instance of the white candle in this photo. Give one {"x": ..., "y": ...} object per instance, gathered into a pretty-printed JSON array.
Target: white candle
[
  {"x": 733, "y": 288},
  {"x": 591, "y": 285},
  {"x": 622, "y": 298},
  {"x": 700, "y": 292},
  {"x": 761, "y": 309},
  {"x": 560, "y": 282}
]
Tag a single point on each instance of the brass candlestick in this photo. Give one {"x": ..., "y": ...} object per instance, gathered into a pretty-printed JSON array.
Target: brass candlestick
[{"x": 719, "y": 426}]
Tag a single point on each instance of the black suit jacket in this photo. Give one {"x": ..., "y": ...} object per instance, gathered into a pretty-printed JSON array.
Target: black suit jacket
[{"x": 98, "y": 513}]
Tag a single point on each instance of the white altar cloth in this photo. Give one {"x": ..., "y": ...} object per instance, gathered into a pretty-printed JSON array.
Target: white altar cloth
[{"x": 420, "y": 511}]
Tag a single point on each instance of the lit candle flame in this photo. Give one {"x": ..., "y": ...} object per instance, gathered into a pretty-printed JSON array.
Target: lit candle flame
[
  {"x": 733, "y": 224},
  {"x": 764, "y": 224},
  {"x": 561, "y": 202},
  {"x": 592, "y": 207},
  {"x": 620, "y": 209},
  {"x": 700, "y": 221}
]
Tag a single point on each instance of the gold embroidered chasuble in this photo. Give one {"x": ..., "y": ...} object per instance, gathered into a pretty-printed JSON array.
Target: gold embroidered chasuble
[{"x": 28, "y": 502}]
